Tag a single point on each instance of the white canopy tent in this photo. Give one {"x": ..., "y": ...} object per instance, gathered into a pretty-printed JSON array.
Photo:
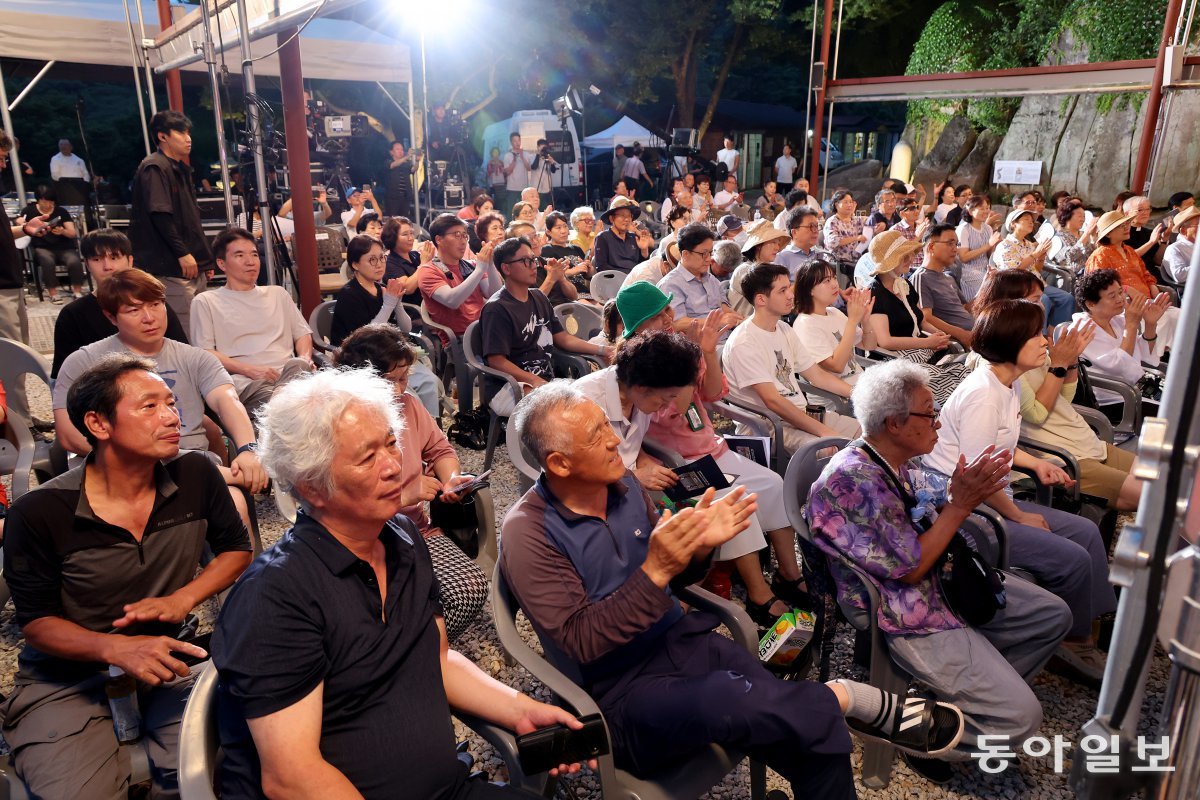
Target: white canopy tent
[
  {"x": 95, "y": 32},
  {"x": 625, "y": 132}
]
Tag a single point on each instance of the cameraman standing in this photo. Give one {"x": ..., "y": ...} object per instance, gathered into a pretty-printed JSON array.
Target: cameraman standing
[
  {"x": 544, "y": 167},
  {"x": 517, "y": 168}
]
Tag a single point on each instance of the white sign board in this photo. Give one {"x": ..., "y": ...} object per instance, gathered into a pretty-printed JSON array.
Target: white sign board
[{"x": 1027, "y": 173}]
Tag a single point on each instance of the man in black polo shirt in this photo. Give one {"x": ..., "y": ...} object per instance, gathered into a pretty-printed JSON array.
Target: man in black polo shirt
[
  {"x": 81, "y": 322},
  {"x": 102, "y": 565},
  {"x": 336, "y": 679},
  {"x": 164, "y": 225}
]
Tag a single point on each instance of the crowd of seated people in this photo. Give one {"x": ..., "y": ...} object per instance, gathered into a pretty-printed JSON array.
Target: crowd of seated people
[{"x": 943, "y": 353}]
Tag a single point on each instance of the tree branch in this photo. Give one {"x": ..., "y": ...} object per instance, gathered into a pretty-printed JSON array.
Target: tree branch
[{"x": 734, "y": 46}]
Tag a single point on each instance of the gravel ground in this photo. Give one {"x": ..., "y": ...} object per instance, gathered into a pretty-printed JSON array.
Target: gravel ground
[{"x": 1067, "y": 705}]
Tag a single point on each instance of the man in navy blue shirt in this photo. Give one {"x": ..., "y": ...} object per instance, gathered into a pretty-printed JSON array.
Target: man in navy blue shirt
[
  {"x": 336, "y": 678},
  {"x": 592, "y": 566}
]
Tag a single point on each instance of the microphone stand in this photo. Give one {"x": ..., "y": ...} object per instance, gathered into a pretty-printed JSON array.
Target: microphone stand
[{"x": 91, "y": 202}]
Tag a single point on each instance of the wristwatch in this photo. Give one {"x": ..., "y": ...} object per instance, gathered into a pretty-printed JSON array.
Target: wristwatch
[
  {"x": 1058, "y": 372},
  {"x": 246, "y": 448}
]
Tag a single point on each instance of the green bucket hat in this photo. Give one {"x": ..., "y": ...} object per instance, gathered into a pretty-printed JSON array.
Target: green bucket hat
[{"x": 638, "y": 302}]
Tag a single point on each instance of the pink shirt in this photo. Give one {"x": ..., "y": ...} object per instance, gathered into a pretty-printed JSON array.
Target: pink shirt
[
  {"x": 691, "y": 432},
  {"x": 422, "y": 443}
]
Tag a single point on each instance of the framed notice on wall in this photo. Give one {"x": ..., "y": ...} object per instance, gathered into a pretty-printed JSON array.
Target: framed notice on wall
[{"x": 1028, "y": 173}]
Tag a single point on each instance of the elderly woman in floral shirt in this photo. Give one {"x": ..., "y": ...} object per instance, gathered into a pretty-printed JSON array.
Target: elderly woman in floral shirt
[{"x": 862, "y": 508}]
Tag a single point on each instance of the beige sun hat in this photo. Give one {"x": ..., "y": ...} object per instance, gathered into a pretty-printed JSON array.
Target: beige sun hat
[
  {"x": 1015, "y": 215},
  {"x": 619, "y": 202},
  {"x": 1110, "y": 221},
  {"x": 761, "y": 231},
  {"x": 888, "y": 249},
  {"x": 1187, "y": 215}
]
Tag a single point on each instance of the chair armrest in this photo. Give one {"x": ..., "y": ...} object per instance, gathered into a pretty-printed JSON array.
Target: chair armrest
[
  {"x": 482, "y": 367},
  {"x": 733, "y": 616},
  {"x": 575, "y": 364},
  {"x": 836, "y": 402},
  {"x": 1131, "y": 414},
  {"x": 668, "y": 455},
  {"x": 751, "y": 419},
  {"x": 755, "y": 416},
  {"x": 500, "y": 738},
  {"x": 1070, "y": 463},
  {"x": 1097, "y": 422},
  {"x": 428, "y": 322}
]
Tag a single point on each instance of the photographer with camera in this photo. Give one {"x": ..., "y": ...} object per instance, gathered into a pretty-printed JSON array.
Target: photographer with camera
[
  {"x": 544, "y": 168},
  {"x": 517, "y": 169},
  {"x": 360, "y": 201}
]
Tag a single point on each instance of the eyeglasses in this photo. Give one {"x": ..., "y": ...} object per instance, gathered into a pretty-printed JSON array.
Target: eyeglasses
[
  {"x": 456, "y": 235},
  {"x": 933, "y": 418},
  {"x": 528, "y": 261},
  {"x": 813, "y": 227},
  {"x": 375, "y": 261},
  {"x": 702, "y": 253}
]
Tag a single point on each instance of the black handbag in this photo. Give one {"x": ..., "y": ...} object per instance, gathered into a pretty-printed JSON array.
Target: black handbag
[
  {"x": 972, "y": 588},
  {"x": 459, "y": 522}
]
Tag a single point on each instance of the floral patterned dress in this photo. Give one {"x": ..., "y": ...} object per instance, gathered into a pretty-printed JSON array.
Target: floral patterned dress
[{"x": 835, "y": 230}]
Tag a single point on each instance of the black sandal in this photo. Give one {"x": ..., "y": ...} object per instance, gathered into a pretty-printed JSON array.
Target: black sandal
[
  {"x": 793, "y": 592},
  {"x": 761, "y": 612}
]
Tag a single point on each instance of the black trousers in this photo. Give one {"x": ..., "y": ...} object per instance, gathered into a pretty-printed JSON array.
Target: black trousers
[{"x": 48, "y": 259}]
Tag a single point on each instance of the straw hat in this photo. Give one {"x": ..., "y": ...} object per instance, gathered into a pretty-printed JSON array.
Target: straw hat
[
  {"x": 619, "y": 202},
  {"x": 888, "y": 249},
  {"x": 1110, "y": 221},
  {"x": 1187, "y": 215},
  {"x": 761, "y": 231}
]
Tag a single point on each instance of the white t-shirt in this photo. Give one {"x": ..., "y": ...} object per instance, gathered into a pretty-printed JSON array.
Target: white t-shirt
[
  {"x": 260, "y": 326},
  {"x": 724, "y": 200},
  {"x": 519, "y": 178},
  {"x": 728, "y": 157},
  {"x": 601, "y": 388},
  {"x": 820, "y": 336},
  {"x": 753, "y": 356},
  {"x": 982, "y": 411},
  {"x": 1109, "y": 360},
  {"x": 784, "y": 167}
]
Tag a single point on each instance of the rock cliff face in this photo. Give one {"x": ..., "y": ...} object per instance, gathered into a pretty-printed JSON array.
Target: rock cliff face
[{"x": 1083, "y": 151}]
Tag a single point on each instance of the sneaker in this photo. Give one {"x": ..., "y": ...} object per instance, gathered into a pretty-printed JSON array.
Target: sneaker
[
  {"x": 931, "y": 769},
  {"x": 1081, "y": 661},
  {"x": 918, "y": 726},
  {"x": 56, "y": 299}
]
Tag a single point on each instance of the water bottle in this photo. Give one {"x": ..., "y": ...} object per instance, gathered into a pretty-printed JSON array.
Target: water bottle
[{"x": 121, "y": 689}]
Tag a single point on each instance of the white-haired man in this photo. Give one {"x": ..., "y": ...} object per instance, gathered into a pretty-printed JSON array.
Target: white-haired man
[{"x": 336, "y": 677}]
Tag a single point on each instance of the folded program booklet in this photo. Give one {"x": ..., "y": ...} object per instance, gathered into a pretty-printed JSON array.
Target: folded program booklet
[{"x": 696, "y": 478}]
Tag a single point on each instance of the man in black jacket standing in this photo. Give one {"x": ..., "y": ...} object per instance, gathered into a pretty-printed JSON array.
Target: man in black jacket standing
[{"x": 165, "y": 228}]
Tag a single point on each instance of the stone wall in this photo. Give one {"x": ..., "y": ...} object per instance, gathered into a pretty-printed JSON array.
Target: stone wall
[{"x": 1092, "y": 154}]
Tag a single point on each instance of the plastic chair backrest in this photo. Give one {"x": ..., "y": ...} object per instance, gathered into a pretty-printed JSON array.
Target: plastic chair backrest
[
  {"x": 520, "y": 458},
  {"x": 18, "y": 360},
  {"x": 802, "y": 471},
  {"x": 579, "y": 319},
  {"x": 606, "y": 283},
  {"x": 472, "y": 343},
  {"x": 198, "y": 741},
  {"x": 321, "y": 323}
]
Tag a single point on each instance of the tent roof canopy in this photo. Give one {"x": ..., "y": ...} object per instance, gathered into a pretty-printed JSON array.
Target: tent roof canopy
[
  {"x": 95, "y": 32},
  {"x": 624, "y": 132}
]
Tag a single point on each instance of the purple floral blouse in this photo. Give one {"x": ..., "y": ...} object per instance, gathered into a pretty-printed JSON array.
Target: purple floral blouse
[
  {"x": 836, "y": 230},
  {"x": 853, "y": 510}
]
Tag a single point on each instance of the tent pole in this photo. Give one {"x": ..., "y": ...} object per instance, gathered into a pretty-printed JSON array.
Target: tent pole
[
  {"x": 425, "y": 126},
  {"x": 29, "y": 86},
  {"x": 254, "y": 123},
  {"x": 812, "y": 58},
  {"x": 416, "y": 173},
  {"x": 137, "y": 4},
  {"x": 291, "y": 85},
  {"x": 15, "y": 155},
  {"x": 174, "y": 86},
  {"x": 137, "y": 78},
  {"x": 210, "y": 59}
]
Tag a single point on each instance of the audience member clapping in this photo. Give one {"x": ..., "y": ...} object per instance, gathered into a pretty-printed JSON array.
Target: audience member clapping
[
  {"x": 985, "y": 412},
  {"x": 864, "y": 507},
  {"x": 827, "y": 333}
]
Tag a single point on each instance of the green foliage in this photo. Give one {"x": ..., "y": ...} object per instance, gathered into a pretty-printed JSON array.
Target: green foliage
[{"x": 1003, "y": 34}]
